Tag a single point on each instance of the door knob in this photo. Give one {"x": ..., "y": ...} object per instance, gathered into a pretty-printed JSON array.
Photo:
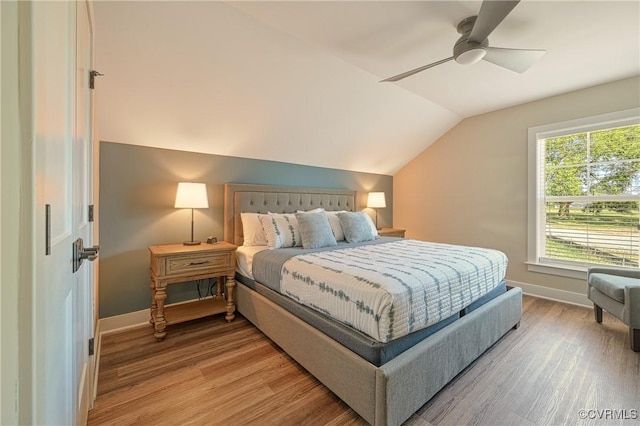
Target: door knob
[
  {"x": 90, "y": 253},
  {"x": 81, "y": 253}
]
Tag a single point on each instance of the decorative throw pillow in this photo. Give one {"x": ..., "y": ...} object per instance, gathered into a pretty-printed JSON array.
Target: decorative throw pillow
[
  {"x": 315, "y": 230},
  {"x": 334, "y": 221},
  {"x": 281, "y": 230},
  {"x": 252, "y": 230},
  {"x": 357, "y": 227}
]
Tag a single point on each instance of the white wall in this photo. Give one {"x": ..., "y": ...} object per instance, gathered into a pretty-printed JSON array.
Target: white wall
[{"x": 470, "y": 186}]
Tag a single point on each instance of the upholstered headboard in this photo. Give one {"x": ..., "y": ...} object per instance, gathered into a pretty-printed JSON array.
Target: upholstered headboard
[{"x": 239, "y": 198}]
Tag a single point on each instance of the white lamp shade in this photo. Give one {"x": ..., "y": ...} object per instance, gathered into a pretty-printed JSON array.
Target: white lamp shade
[
  {"x": 376, "y": 200},
  {"x": 191, "y": 196}
]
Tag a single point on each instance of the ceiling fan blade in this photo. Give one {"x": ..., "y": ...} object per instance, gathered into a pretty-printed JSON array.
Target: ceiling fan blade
[
  {"x": 491, "y": 13},
  {"x": 415, "y": 71},
  {"x": 518, "y": 60}
]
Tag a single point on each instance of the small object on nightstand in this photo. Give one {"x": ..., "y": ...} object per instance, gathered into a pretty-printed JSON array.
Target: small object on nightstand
[
  {"x": 177, "y": 263},
  {"x": 212, "y": 240},
  {"x": 391, "y": 232}
]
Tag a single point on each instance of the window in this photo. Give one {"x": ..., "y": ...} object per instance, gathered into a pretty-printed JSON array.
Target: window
[{"x": 584, "y": 193}]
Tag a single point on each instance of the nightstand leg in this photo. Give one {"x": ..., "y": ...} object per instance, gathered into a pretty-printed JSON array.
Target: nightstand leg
[
  {"x": 160, "y": 323},
  {"x": 154, "y": 305},
  {"x": 231, "y": 303},
  {"x": 218, "y": 287}
]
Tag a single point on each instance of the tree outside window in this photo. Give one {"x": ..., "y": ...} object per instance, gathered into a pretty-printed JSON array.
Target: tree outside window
[{"x": 591, "y": 194}]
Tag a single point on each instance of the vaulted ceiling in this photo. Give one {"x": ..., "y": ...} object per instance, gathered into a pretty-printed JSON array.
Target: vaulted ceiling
[{"x": 299, "y": 82}]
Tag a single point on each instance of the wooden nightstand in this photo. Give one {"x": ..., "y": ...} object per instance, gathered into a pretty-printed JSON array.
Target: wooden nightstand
[
  {"x": 391, "y": 232},
  {"x": 177, "y": 263}
]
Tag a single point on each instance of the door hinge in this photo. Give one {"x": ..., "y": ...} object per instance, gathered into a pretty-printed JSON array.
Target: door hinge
[
  {"x": 91, "y": 346},
  {"x": 91, "y": 213},
  {"x": 92, "y": 78}
]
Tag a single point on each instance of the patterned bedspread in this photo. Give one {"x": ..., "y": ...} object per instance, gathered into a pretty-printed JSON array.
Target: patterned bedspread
[{"x": 389, "y": 290}]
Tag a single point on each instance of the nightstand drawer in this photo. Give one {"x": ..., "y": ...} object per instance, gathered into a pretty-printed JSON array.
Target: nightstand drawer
[{"x": 203, "y": 262}]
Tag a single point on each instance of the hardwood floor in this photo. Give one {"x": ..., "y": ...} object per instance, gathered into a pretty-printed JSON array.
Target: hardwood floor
[{"x": 210, "y": 372}]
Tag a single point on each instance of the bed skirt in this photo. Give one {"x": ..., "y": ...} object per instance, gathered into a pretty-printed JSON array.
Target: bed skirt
[{"x": 391, "y": 393}]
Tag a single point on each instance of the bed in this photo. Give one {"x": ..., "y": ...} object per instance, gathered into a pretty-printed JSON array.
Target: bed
[{"x": 384, "y": 382}]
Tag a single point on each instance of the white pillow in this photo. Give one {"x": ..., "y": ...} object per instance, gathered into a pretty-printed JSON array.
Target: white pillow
[
  {"x": 334, "y": 221},
  {"x": 316, "y": 210},
  {"x": 252, "y": 230},
  {"x": 281, "y": 230},
  {"x": 373, "y": 225}
]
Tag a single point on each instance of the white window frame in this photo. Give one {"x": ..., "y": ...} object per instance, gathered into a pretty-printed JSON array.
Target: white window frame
[{"x": 536, "y": 226}]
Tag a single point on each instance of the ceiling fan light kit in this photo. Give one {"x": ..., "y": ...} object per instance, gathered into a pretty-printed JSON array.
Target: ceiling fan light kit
[
  {"x": 473, "y": 45},
  {"x": 465, "y": 51},
  {"x": 469, "y": 53},
  {"x": 471, "y": 56}
]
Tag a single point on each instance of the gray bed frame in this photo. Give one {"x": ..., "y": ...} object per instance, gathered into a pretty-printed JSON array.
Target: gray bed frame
[{"x": 385, "y": 395}]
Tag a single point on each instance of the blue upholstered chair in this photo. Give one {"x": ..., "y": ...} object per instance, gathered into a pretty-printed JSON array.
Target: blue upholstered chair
[{"x": 617, "y": 291}]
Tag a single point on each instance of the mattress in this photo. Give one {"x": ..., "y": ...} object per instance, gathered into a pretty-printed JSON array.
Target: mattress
[
  {"x": 377, "y": 353},
  {"x": 387, "y": 288}
]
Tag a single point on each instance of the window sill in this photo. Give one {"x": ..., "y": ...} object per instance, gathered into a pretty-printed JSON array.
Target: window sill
[{"x": 577, "y": 272}]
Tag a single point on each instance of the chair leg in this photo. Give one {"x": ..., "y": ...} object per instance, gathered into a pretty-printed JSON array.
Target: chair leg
[
  {"x": 634, "y": 338},
  {"x": 597, "y": 310}
]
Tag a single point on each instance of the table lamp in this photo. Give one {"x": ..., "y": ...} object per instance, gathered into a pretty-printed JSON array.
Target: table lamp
[
  {"x": 191, "y": 196},
  {"x": 376, "y": 201}
]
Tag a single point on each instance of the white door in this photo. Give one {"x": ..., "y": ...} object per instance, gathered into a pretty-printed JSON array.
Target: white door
[{"x": 62, "y": 122}]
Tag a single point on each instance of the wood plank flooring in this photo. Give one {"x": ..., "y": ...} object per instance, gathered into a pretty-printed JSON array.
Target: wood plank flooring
[{"x": 210, "y": 372}]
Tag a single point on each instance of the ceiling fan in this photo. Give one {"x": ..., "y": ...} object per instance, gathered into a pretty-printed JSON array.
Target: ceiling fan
[{"x": 473, "y": 45}]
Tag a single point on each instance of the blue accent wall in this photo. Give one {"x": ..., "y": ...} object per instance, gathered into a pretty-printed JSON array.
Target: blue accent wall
[{"x": 137, "y": 192}]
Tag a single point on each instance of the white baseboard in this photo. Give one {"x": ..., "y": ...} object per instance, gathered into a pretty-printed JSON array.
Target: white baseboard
[
  {"x": 563, "y": 296},
  {"x": 120, "y": 322},
  {"x": 132, "y": 319}
]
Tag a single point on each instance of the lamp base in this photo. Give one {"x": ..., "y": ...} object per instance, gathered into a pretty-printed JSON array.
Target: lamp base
[{"x": 191, "y": 243}]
